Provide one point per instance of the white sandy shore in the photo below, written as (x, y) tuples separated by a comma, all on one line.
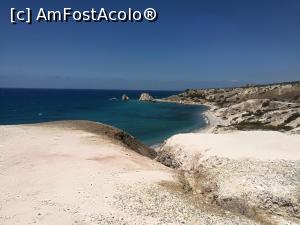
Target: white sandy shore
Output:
[(66, 175), (211, 120)]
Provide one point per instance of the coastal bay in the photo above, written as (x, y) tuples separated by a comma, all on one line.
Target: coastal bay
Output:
[(151, 123), (91, 173), (150, 113)]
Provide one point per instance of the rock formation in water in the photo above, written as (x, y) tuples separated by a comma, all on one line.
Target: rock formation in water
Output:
[(146, 97), (125, 97)]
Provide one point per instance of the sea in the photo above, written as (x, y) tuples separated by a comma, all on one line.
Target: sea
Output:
[(150, 122)]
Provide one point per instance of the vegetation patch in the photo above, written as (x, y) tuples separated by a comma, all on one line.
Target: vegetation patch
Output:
[(291, 118), (257, 125)]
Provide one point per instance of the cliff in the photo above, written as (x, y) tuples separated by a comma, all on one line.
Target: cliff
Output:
[(252, 173)]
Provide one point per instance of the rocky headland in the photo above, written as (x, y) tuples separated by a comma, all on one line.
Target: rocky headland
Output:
[(146, 97), (264, 107)]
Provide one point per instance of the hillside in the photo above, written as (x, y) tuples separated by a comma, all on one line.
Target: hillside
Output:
[(267, 107)]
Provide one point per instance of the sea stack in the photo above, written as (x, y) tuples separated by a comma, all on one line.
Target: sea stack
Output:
[(125, 97), (146, 97)]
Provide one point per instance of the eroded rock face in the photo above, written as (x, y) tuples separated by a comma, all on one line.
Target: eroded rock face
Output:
[(246, 185), (125, 97), (146, 97)]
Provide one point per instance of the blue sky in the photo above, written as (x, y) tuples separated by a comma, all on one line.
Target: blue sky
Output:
[(192, 44)]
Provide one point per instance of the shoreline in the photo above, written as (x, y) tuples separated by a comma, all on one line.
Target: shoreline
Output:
[(270, 107), (211, 121), (250, 174), (210, 118)]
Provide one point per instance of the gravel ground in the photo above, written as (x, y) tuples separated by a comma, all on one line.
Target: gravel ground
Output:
[(265, 188), (156, 204)]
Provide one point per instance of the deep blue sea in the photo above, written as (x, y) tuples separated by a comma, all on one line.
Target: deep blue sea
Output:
[(149, 122)]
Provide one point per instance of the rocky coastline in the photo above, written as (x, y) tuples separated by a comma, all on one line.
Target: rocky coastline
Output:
[(265, 107), (243, 168), (244, 161)]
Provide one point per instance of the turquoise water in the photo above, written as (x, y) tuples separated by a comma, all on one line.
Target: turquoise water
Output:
[(150, 122)]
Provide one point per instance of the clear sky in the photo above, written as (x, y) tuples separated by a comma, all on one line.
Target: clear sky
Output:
[(192, 44)]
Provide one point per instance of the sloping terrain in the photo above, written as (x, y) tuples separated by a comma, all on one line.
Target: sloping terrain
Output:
[(266, 107), (84, 173)]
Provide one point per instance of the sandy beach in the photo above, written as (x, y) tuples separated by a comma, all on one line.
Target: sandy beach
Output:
[(211, 120)]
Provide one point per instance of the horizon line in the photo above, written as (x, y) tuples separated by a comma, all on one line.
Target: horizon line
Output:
[(115, 89)]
